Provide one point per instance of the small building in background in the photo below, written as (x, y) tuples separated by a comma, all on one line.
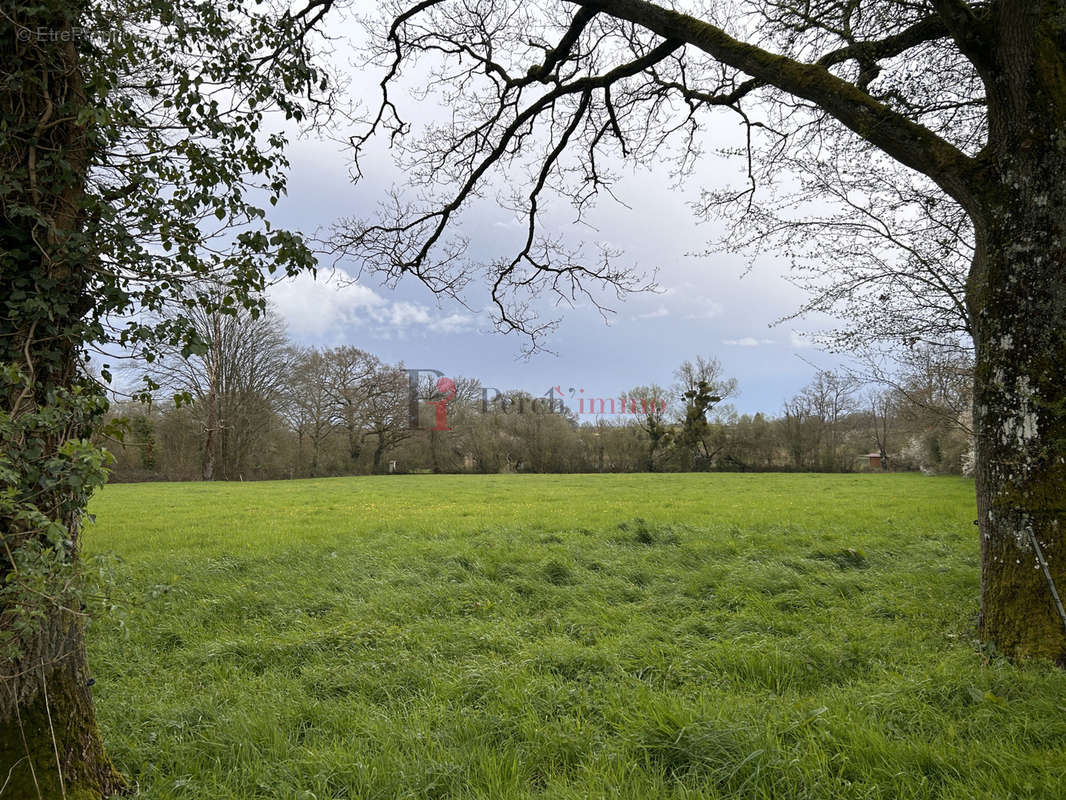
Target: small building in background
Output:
[(875, 461)]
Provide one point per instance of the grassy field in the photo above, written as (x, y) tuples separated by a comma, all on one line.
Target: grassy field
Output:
[(666, 636)]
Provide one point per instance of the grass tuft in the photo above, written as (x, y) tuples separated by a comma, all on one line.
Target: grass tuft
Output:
[(846, 558)]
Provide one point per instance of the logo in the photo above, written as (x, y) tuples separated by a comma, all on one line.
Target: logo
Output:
[(493, 400), (446, 386)]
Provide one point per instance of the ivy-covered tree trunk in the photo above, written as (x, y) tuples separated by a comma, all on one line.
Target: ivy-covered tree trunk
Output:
[(1017, 299), (50, 745), (112, 152)]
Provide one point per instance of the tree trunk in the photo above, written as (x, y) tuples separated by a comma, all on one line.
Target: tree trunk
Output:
[(210, 438), (1020, 420), (50, 745), (434, 451), (1017, 299), (379, 452), (355, 443), (211, 428)]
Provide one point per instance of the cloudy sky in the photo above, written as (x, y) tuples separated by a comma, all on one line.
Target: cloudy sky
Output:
[(709, 305)]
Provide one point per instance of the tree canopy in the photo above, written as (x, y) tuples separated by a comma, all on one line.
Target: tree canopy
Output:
[(555, 97)]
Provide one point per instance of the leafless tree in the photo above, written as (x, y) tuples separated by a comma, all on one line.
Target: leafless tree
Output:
[(235, 383), (755, 442), (831, 398), (801, 431), (884, 408), (650, 406), (813, 421), (552, 96), (309, 400), (351, 387), (387, 410), (709, 370), (462, 412), (875, 247)]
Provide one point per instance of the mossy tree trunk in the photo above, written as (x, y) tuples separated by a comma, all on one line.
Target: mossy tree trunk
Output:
[(50, 746), (1020, 418), (1017, 300), (93, 175)]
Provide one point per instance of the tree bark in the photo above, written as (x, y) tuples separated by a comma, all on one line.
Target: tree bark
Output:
[(210, 439), (212, 427), (50, 746), (1021, 440), (1020, 420), (1017, 299)]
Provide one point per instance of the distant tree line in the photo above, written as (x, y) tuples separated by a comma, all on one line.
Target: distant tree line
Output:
[(251, 405)]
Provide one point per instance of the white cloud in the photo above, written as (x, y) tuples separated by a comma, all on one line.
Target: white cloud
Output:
[(453, 323), (747, 341), (403, 314), (316, 309), (324, 311), (710, 310), (799, 340), (658, 313)]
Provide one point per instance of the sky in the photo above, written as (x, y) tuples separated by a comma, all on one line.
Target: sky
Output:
[(716, 305)]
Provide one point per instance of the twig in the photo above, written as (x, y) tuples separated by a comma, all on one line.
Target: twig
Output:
[(52, 731), (33, 772), (1047, 575)]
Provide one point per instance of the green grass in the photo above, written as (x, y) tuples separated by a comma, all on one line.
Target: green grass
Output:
[(646, 636)]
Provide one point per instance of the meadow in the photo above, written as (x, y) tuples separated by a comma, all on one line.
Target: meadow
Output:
[(592, 636)]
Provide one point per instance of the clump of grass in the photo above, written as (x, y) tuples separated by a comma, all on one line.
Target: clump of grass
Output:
[(645, 533), (688, 747), (845, 558), (557, 572)]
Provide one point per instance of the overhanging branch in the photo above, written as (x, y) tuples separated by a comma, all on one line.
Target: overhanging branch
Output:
[(905, 140)]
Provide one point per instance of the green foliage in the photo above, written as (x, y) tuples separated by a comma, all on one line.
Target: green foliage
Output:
[(135, 161), (44, 492), (408, 636), (692, 437), (178, 160)]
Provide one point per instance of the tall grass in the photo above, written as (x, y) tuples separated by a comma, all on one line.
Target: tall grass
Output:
[(674, 636)]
